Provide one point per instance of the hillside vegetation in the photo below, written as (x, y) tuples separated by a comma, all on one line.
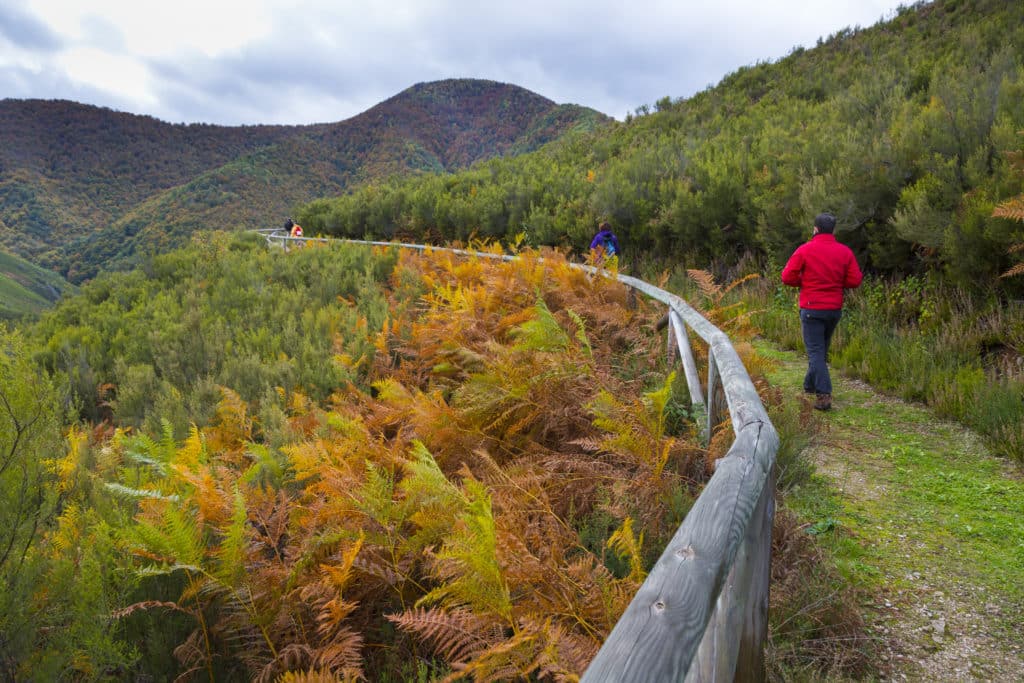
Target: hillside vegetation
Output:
[(84, 188), (236, 463), (901, 129), (336, 460)]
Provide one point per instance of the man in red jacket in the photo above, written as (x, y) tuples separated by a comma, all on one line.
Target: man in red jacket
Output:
[(822, 269)]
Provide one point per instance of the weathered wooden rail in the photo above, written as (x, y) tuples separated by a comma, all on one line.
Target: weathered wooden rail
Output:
[(702, 613)]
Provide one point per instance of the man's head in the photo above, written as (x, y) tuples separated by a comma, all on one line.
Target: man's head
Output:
[(825, 222), (605, 226)]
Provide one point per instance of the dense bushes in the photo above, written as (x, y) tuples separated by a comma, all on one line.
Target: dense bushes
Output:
[(227, 312)]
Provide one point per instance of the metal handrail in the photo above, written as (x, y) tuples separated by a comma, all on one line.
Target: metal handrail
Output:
[(702, 612)]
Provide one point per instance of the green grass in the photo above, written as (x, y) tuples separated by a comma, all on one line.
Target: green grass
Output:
[(16, 301), (900, 495)]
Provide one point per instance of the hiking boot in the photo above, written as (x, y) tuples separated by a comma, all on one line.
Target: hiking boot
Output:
[(823, 402)]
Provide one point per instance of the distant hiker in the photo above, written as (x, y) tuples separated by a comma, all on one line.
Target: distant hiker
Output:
[(822, 269), (605, 240), (293, 228)]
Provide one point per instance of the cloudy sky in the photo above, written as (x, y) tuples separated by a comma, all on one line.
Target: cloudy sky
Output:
[(303, 61)]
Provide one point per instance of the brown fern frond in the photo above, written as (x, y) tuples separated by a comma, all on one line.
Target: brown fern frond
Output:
[(1011, 208), (1014, 210), (562, 655), (721, 440), (192, 652), (331, 615), (512, 659), (388, 571), (706, 283), (214, 502), (539, 649), (312, 676), (291, 657), (739, 281), (600, 598), (589, 444), (270, 515), (456, 635), (148, 604), (1014, 271), (187, 675), (342, 652)]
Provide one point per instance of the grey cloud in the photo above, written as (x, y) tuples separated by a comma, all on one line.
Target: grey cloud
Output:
[(25, 31), (22, 83), (333, 62), (101, 31), (579, 57)]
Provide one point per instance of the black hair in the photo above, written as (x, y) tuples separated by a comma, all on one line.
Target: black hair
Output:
[(288, 224), (825, 222)]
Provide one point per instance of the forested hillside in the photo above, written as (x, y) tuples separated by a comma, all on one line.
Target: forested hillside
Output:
[(901, 129), (69, 169), (83, 188)]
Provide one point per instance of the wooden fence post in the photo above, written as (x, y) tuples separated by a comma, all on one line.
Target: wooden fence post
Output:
[(712, 404)]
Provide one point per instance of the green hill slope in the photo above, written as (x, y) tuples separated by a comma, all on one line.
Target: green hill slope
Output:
[(26, 289), (67, 169)]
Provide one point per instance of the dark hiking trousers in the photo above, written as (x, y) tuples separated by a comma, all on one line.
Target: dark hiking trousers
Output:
[(818, 327)]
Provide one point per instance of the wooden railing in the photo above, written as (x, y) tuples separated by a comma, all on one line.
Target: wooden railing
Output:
[(702, 613)]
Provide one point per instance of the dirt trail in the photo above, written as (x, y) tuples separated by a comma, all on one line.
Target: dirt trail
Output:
[(939, 523)]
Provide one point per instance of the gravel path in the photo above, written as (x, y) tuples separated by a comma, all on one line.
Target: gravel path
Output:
[(942, 523)]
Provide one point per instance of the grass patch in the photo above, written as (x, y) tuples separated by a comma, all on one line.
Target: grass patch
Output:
[(910, 495), (816, 627), (26, 289)]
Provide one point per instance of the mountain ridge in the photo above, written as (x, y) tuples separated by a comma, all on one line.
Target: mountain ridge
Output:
[(84, 188)]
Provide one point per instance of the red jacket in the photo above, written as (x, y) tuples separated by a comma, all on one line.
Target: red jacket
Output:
[(822, 269)]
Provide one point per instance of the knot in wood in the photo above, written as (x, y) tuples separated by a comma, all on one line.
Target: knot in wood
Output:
[(659, 605), (686, 553)]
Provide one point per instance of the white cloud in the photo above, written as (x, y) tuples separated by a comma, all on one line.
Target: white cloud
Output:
[(120, 75), (155, 29)]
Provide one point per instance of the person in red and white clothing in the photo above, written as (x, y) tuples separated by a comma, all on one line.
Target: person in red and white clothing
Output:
[(822, 269)]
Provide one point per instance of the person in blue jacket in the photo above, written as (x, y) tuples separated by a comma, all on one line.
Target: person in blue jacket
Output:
[(606, 240)]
